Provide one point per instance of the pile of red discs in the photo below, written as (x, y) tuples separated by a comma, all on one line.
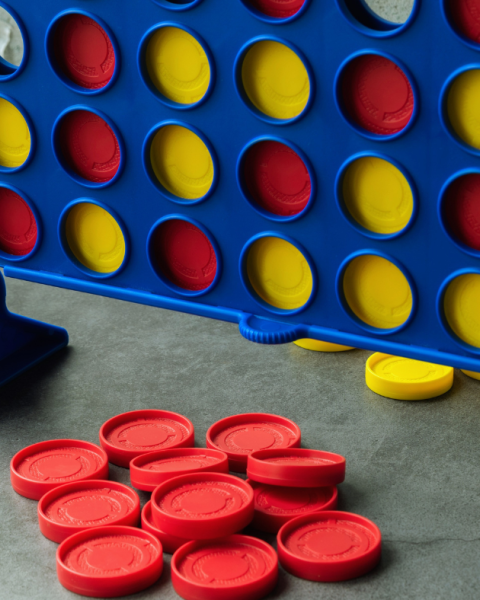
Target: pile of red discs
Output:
[(197, 508)]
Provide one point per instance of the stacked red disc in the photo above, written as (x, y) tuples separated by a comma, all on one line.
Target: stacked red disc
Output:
[(170, 543)]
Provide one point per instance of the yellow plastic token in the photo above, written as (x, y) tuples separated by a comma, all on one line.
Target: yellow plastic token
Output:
[(318, 346), (406, 379), (178, 65), (182, 162), (15, 140), (95, 238), (472, 374), (276, 80), (462, 308), (279, 273), (377, 195), (463, 106)]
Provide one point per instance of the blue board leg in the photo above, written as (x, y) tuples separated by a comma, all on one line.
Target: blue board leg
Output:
[(24, 342)]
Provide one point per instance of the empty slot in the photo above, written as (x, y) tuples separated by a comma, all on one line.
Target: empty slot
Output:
[(460, 306), (15, 137), (18, 226), (460, 211), (463, 108), (12, 44), (379, 17), (276, 9)]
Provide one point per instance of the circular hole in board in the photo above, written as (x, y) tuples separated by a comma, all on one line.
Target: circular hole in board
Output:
[(18, 225), (15, 137), (375, 96), (14, 43), (276, 11), (183, 255), (460, 308), (461, 108), (463, 16), (379, 18)]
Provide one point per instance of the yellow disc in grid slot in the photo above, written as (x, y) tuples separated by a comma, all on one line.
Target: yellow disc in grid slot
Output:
[(462, 308), (463, 107), (182, 162), (472, 374), (406, 379), (377, 195), (178, 65), (319, 346), (95, 238), (377, 292), (275, 80), (15, 140), (279, 273)]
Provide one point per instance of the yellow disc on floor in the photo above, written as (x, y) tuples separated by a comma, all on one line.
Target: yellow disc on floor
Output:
[(463, 106), (279, 273), (405, 378), (318, 346), (15, 141), (377, 292), (95, 238), (472, 374), (377, 195), (276, 80), (182, 162), (462, 308), (178, 65)]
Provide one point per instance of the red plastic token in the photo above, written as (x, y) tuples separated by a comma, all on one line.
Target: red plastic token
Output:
[(81, 505), (39, 468), (84, 51), (238, 567), (109, 561), (296, 467), (377, 94), (89, 146), (462, 210), (170, 543), (202, 506), (329, 546), (240, 435), (134, 433), (149, 470), (275, 505), (184, 255), (280, 9), (277, 178), (465, 15), (18, 227)]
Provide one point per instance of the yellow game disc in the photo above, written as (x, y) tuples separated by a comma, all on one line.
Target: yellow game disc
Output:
[(95, 238), (377, 292), (318, 346), (182, 162), (178, 65), (276, 80), (279, 273), (463, 106), (377, 195), (15, 141), (406, 379), (472, 374), (462, 308)]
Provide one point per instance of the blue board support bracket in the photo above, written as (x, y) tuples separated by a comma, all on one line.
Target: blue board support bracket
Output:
[(24, 342)]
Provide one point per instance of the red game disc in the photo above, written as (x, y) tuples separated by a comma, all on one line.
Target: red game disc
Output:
[(109, 562), (377, 94), (18, 227), (240, 435), (329, 546), (277, 178), (84, 51), (275, 505), (184, 255), (89, 146), (238, 567), (170, 543), (149, 470), (296, 467), (202, 506), (461, 210), (465, 15), (280, 9), (39, 468), (81, 505)]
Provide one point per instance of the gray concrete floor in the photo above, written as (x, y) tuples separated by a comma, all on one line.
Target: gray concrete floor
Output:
[(413, 468)]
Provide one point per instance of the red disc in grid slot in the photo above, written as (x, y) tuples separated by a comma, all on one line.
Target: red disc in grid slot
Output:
[(170, 543), (84, 51), (140, 431), (280, 9), (240, 435), (39, 468), (465, 15), (109, 562), (462, 210), (18, 227), (238, 567), (329, 546), (277, 178), (81, 505), (276, 505), (377, 94)]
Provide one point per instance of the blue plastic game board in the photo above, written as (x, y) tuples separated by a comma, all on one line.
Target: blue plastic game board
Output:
[(367, 246)]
